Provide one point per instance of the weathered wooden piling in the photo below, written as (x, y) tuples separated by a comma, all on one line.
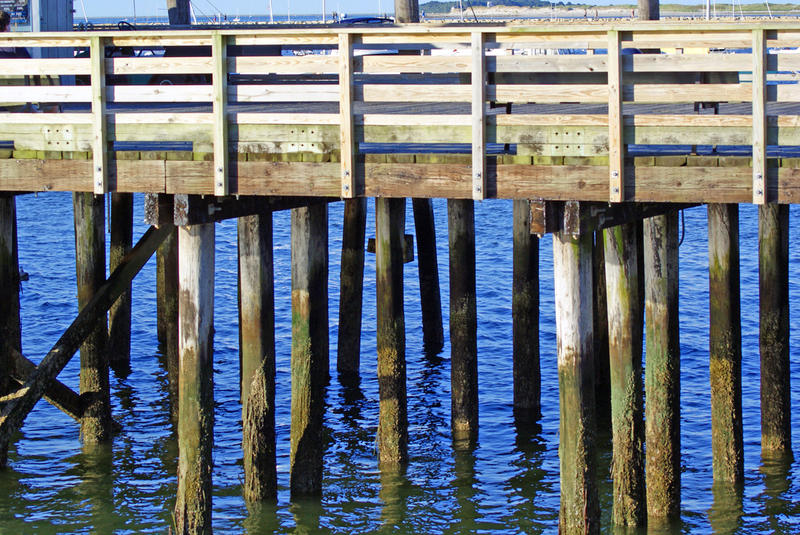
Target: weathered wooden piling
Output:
[(167, 312), (119, 317), (90, 267), (625, 365), (463, 319), (351, 287), (773, 279), (391, 336), (602, 372), (662, 373), (196, 392), (428, 265), (572, 268), (10, 331), (309, 346), (525, 315), (257, 355), (725, 343)]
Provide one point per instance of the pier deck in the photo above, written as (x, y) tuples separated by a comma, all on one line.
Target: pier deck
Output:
[(305, 112)]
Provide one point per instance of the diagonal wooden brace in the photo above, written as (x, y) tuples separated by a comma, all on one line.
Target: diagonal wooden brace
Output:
[(16, 410)]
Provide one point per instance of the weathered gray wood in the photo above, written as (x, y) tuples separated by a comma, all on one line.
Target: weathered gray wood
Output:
[(525, 312), (90, 267), (662, 373), (119, 317), (257, 355), (309, 347), (725, 343), (648, 10), (178, 12), (196, 378), (14, 413), (10, 330), (572, 268), (351, 287), (406, 10), (428, 265), (773, 283), (391, 336), (167, 311), (463, 320), (625, 360)]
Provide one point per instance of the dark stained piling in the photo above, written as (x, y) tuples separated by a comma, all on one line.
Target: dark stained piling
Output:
[(662, 373), (119, 317), (602, 375), (196, 392), (309, 346), (572, 268), (773, 279), (90, 268), (257, 354), (525, 315), (167, 311), (428, 264), (10, 331), (625, 364), (725, 343), (351, 287), (391, 336), (463, 319)]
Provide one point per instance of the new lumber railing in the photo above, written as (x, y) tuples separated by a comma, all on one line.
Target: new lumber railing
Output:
[(628, 112)]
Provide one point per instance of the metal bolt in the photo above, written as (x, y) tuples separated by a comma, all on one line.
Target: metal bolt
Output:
[(219, 169), (615, 190), (99, 169), (615, 174), (347, 187), (759, 192)]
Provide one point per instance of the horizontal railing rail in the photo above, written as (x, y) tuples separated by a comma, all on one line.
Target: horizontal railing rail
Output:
[(624, 112)]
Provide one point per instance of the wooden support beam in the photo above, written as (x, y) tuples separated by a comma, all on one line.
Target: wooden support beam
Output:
[(773, 283), (478, 116), (759, 117), (90, 267), (625, 358), (428, 267), (572, 266), (13, 414), (463, 320), (616, 144), (257, 356), (167, 309), (309, 347), (219, 54), (408, 247), (197, 210), (662, 372), (57, 394), (393, 411), (351, 284), (100, 173), (196, 375), (159, 209), (347, 142), (525, 316), (574, 217), (725, 343), (10, 331), (602, 368), (119, 317)]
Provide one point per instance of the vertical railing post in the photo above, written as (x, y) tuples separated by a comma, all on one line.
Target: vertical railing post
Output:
[(100, 132), (346, 129), (220, 88), (616, 147), (478, 116), (759, 117)]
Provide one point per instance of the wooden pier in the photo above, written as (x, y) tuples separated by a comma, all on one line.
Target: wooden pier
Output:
[(587, 127)]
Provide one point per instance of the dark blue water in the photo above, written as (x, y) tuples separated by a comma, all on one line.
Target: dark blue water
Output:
[(509, 483)]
